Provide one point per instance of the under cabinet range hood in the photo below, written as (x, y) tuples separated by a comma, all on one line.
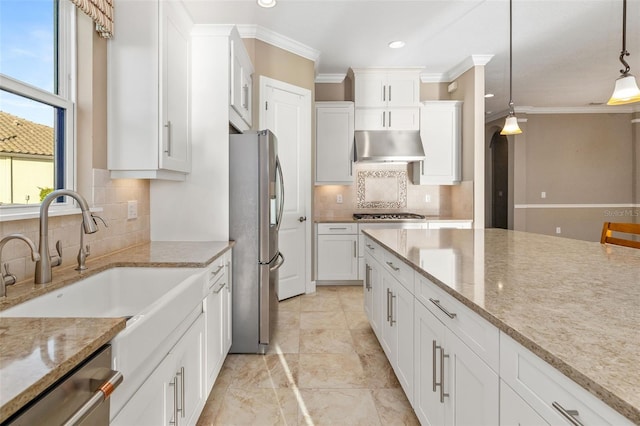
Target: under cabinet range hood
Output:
[(374, 146)]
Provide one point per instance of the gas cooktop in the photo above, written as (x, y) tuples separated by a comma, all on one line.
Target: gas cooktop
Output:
[(388, 216)]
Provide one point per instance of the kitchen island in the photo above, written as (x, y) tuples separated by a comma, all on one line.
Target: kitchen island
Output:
[(574, 304), (36, 352)]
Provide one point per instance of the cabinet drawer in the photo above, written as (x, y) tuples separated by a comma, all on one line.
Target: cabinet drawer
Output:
[(215, 272), (399, 270), (477, 333), (337, 228), (371, 247), (545, 388)]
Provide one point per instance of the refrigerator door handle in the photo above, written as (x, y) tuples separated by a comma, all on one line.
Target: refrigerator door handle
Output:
[(278, 263), (281, 209)]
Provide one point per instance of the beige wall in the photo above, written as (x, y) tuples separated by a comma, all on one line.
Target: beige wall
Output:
[(92, 180), (335, 91), (434, 92), (575, 159)]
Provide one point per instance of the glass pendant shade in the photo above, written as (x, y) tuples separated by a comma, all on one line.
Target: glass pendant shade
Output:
[(626, 91), (511, 126)]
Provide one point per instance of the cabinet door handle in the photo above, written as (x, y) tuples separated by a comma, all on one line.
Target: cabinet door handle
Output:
[(393, 311), (384, 93), (384, 114), (570, 415), (421, 167), (393, 267), (389, 111), (168, 150), (437, 303), (442, 357), (433, 359), (245, 90), (174, 383), (389, 101), (367, 277), (388, 303), (355, 249), (182, 392)]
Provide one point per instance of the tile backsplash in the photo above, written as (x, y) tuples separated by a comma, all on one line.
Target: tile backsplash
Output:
[(444, 200), (110, 195)]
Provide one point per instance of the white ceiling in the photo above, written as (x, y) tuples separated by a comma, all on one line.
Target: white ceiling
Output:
[(565, 52)]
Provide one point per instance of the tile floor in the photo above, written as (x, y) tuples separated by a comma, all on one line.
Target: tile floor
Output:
[(325, 366)]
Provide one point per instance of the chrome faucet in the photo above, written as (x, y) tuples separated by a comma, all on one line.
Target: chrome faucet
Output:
[(44, 265), (6, 277)]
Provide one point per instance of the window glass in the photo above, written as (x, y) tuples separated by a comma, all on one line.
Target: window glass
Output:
[(28, 42), (36, 112)]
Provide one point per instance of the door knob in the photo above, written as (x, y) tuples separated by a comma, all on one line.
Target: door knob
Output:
[(302, 218)]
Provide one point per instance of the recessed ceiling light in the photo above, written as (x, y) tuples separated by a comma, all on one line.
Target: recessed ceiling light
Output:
[(489, 95), (396, 44), (266, 3)]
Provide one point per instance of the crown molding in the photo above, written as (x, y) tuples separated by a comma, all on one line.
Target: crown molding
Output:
[(594, 109), (457, 71), (278, 40), (330, 78)]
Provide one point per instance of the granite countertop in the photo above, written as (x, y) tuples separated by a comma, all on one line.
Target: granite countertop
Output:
[(575, 304), (349, 219), (36, 352)]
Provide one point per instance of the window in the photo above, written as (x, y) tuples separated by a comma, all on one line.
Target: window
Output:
[(37, 90)]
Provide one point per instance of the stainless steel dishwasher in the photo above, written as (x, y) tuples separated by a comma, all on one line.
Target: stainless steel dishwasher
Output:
[(79, 398)]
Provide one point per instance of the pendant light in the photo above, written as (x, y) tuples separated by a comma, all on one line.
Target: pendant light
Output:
[(626, 89), (511, 123)]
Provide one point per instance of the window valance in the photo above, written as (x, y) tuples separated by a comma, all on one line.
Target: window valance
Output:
[(101, 11)]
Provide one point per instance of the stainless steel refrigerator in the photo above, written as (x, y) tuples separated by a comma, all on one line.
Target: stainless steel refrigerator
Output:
[(256, 200)]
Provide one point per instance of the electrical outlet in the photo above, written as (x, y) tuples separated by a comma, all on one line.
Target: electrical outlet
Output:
[(558, 230), (543, 194), (339, 198), (427, 198), (132, 209)]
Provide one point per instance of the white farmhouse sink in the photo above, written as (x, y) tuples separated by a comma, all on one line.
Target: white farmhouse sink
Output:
[(156, 302)]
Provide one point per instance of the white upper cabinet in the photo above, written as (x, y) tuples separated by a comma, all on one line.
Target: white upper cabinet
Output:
[(440, 131), (149, 91), (334, 143), (386, 88), (241, 84), (387, 99)]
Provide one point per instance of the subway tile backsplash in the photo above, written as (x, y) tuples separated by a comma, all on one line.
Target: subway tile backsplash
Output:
[(111, 195)]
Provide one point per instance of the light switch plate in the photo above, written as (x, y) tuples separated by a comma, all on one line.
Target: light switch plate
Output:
[(132, 209)]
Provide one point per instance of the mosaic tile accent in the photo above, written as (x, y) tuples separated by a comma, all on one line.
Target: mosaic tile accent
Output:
[(382, 189)]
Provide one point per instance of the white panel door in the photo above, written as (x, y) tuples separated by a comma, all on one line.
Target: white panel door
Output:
[(286, 111)]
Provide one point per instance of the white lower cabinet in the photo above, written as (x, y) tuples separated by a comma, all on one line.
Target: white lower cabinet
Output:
[(453, 386), (514, 411), (174, 393), (217, 308), (337, 252), (556, 398)]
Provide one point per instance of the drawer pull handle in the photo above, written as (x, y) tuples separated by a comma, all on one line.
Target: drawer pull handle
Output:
[(220, 288), (393, 267), (338, 229), (442, 308), (370, 247), (214, 273), (570, 415)]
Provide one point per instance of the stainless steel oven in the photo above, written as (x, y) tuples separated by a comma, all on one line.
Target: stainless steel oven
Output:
[(79, 398)]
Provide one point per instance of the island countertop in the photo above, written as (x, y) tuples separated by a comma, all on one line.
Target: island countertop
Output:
[(575, 304), (36, 352)]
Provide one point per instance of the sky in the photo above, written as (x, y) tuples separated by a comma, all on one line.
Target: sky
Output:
[(26, 53)]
